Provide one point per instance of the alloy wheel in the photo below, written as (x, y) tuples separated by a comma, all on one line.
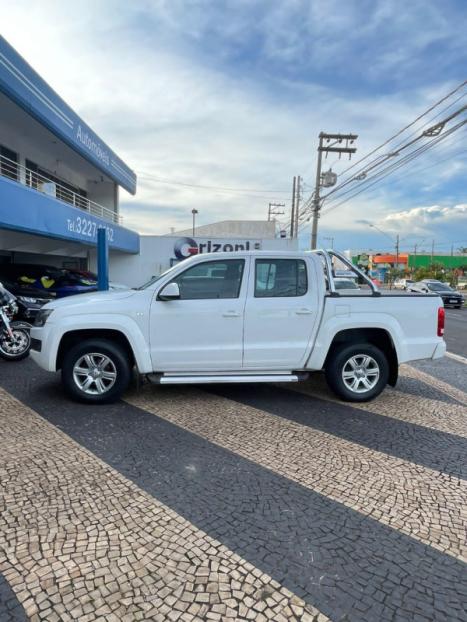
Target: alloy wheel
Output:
[(94, 373), (360, 373)]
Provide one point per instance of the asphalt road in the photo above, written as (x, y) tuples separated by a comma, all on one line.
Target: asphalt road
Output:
[(456, 331)]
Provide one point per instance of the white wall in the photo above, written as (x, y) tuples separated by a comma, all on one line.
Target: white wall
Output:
[(157, 251)]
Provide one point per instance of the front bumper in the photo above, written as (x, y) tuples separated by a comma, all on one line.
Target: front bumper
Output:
[(44, 346), (453, 301)]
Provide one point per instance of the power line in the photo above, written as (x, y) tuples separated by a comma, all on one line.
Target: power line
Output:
[(362, 173), (438, 114), (383, 157), (425, 168), (378, 176), (386, 142), (172, 182), (410, 172)]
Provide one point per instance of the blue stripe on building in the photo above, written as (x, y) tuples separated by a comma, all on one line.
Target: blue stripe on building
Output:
[(24, 86), (25, 209)]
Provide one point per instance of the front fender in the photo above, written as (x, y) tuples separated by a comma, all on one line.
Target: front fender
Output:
[(126, 325)]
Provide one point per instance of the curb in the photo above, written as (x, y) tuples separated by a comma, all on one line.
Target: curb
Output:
[(457, 357)]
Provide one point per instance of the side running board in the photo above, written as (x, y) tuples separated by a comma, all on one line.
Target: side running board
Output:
[(226, 379)]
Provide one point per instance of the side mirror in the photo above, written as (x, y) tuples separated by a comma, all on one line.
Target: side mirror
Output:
[(170, 292)]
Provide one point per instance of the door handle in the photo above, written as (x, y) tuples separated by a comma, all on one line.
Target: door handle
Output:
[(231, 314), (304, 311)]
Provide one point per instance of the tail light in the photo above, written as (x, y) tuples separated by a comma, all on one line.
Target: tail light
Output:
[(441, 316)]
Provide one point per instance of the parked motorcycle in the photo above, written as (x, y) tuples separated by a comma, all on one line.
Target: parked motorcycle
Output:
[(15, 339)]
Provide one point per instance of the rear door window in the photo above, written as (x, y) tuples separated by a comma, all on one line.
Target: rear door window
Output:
[(279, 278)]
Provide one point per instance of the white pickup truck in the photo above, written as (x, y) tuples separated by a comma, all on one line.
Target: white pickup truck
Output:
[(239, 317)]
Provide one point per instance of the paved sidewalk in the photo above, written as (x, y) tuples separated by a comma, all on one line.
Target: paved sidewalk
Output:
[(233, 503), (80, 542)]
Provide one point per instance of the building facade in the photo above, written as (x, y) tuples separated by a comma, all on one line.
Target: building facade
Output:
[(59, 181), (160, 252), (379, 265)]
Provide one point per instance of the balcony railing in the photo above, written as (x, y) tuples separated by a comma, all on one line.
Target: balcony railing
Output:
[(32, 179)]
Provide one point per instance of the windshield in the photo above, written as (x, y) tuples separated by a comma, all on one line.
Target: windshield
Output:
[(439, 287), (154, 279)]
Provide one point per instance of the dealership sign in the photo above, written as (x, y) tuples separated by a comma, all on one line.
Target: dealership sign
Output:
[(186, 247)]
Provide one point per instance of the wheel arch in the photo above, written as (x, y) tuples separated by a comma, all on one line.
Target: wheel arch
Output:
[(378, 337), (72, 337)]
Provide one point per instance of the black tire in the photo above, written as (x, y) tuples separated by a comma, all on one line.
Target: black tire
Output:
[(120, 365), (339, 359), (11, 355)]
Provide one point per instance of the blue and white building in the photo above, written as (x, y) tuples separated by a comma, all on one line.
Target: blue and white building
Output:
[(59, 182)]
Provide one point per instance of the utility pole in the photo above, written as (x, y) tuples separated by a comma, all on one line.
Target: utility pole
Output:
[(397, 251), (292, 212), (331, 240), (432, 251), (297, 204), (347, 139), (273, 210)]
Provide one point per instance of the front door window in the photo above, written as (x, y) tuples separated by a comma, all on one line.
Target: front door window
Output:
[(211, 280)]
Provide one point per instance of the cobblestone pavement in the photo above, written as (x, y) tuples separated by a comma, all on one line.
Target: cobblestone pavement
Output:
[(239, 502), (80, 542)]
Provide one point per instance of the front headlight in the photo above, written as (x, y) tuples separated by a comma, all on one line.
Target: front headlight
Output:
[(42, 316)]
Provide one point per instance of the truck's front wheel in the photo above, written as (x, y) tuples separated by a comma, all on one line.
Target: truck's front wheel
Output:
[(357, 372), (96, 371)]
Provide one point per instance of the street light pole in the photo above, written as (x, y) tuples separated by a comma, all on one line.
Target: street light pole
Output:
[(194, 212)]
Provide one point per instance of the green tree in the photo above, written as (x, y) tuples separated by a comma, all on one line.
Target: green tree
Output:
[(435, 271)]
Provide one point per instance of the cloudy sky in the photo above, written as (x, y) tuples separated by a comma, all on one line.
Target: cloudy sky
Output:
[(217, 104)]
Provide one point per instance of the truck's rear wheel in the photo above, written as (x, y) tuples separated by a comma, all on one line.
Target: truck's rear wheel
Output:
[(96, 371), (357, 372)]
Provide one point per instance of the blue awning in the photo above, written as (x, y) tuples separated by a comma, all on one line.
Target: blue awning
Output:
[(26, 209)]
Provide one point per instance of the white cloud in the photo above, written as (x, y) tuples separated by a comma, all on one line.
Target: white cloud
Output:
[(429, 220), (173, 112)]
